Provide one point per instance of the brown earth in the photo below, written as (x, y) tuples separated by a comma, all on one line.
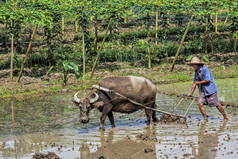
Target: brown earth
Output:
[(158, 74), (49, 155)]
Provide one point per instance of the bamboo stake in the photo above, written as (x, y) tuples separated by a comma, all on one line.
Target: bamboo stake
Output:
[(206, 36), (235, 43), (156, 27), (181, 43), (6, 38), (148, 40), (76, 26), (149, 57), (211, 43), (226, 19), (94, 65), (27, 52), (96, 34), (12, 54), (83, 52), (62, 27), (216, 24)]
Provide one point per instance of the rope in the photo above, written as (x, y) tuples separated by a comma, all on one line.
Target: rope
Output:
[(134, 102)]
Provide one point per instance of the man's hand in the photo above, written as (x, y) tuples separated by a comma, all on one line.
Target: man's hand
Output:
[(190, 95), (202, 82), (198, 83), (194, 85)]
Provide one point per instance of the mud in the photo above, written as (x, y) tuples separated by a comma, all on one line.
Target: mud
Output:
[(146, 137), (49, 155), (172, 118)]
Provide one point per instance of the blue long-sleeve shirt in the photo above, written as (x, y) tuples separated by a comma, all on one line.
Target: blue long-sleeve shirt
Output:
[(205, 74)]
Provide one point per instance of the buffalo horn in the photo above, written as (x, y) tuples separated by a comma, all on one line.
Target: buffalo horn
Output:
[(95, 98), (76, 98)]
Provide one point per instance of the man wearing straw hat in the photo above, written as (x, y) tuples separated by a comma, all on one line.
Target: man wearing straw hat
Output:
[(207, 88)]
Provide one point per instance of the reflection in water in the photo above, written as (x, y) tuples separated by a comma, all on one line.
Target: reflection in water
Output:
[(207, 142), (124, 148), (21, 145), (32, 126), (36, 115)]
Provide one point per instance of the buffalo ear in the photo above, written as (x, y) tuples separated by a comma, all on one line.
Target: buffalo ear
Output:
[(74, 103), (98, 104)]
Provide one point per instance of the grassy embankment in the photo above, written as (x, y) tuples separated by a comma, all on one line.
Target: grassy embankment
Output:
[(159, 74)]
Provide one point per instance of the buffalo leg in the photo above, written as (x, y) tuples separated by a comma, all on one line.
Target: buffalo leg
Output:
[(148, 113), (102, 119), (111, 118), (155, 119), (106, 110)]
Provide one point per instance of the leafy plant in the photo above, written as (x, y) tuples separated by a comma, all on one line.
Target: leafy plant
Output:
[(67, 66), (205, 58), (189, 58)]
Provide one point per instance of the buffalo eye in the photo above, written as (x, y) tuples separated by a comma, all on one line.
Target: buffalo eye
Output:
[(80, 105)]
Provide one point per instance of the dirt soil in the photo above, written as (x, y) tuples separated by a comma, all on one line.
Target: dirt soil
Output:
[(158, 74), (49, 155), (172, 118)]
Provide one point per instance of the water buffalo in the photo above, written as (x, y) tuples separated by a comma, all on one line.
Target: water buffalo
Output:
[(135, 88)]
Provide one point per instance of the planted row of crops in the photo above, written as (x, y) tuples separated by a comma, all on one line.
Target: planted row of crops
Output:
[(71, 33)]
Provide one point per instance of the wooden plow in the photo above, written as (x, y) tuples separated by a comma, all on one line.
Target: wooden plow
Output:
[(169, 114)]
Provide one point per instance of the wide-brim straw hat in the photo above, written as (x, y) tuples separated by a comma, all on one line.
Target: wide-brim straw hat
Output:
[(195, 61)]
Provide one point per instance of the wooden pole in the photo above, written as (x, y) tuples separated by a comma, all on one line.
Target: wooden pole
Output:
[(148, 41), (156, 27), (62, 27), (181, 43), (226, 19), (12, 54), (83, 52), (27, 52), (149, 56), (96, 34), (216, 24), (235, 43), (94, 65), (6, 38), (206, 35), (76, 26)]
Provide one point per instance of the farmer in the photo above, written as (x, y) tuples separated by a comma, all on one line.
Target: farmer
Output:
[(207, 88)]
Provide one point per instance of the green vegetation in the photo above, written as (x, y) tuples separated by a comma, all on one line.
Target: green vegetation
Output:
[(140, 32)]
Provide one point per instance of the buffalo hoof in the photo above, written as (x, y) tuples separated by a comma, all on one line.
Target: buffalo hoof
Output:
[(101, 129), (113, 126), (156, 120), (147, 123)]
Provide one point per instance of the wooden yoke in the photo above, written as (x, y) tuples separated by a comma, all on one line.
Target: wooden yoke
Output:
[(134, 102)]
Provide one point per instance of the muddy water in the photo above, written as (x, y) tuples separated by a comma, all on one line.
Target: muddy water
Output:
[(50, 124)]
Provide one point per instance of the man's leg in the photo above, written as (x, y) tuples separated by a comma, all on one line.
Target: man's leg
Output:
[(202, 110), (201, 101), (219, 107)]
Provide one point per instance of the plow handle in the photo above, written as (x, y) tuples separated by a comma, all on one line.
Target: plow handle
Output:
[(185, 95)]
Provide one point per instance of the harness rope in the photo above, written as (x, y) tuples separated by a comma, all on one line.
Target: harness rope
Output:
[(134, 102)]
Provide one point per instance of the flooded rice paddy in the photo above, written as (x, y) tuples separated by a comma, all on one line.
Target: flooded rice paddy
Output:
[(51, 124)]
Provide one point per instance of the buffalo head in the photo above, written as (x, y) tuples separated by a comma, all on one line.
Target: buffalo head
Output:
[(85, 105)]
